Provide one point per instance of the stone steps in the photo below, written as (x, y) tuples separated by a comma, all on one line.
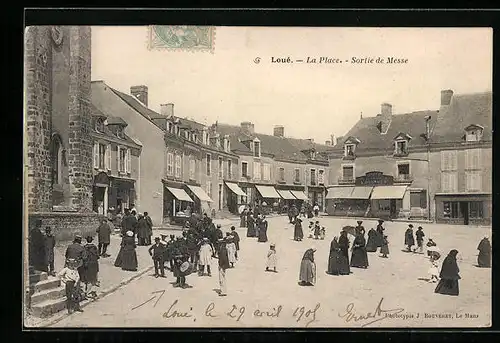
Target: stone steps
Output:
[(37, 277), (44, 285), (48, 307), (48, 294)]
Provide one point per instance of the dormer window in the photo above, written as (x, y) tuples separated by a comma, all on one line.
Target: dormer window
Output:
[(401, 144), (99, 125), (349, 150), (120, 133), (256, 148), (473, 133)]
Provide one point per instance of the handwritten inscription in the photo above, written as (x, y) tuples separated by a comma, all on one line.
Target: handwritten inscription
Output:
[(368, 318)]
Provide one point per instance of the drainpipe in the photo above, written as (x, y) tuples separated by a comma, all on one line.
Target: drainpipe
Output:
[(427, 138)]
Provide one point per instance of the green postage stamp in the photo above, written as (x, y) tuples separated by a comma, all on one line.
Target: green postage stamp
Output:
[(181, 37)]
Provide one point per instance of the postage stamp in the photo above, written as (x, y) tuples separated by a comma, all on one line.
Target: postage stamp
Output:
[(181, 37)]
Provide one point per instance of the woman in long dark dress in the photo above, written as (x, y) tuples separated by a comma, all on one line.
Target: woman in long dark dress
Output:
[(337, 263), (298, 234), (484, 256), (263, 230), (250, 226), (307, 276), (243, 217), (90, 267), (129, 256), (371, 245), (359, 258), (143, 231), (380, 233), (344, 251), (448, 284)]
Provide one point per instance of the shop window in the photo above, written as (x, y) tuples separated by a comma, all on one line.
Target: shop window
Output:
[(384, 205), (451, 209), (476, 209)]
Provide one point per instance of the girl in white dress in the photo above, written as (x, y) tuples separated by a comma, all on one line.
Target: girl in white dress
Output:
[(272, 259)]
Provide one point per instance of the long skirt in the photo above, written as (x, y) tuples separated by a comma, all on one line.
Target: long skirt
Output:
[(359, 258), (129, 260), (251, 229), (338, 264), (484, 260), (384, 249), (447, 287), (371, 245), (118, 260), (90, 272), (231, 252)]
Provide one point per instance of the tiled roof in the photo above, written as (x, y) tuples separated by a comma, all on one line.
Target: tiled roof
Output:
[(116, 121), (413, 124), (464, 110)]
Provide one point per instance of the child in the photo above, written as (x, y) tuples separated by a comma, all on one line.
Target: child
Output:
[(433, 270), (70, 278), (206, 253), (50, 243), (231, 249), (322, 233), (384, 249), (317, 230), (91, 268), (272, 259), (311, 229)]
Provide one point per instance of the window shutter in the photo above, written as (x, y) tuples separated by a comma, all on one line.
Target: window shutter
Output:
[(108, 157), (444, 182), (129, 162), (453, 182), (476, 162), (118, 153), (96, 155), (453, 160)]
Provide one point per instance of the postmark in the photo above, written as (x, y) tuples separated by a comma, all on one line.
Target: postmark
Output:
[(181, 38)]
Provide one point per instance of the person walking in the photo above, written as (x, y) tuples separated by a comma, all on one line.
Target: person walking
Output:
[(71, 279), (307, 275), (298, 234), (231, 249), (103, 238), (409, 240), (484, 256), (384, 249), (420, 240), (359, 258), (272, 259), (149, 221), (263, 225), (50, 243), (128, 253), (448, 285), (157, 252), (236, 237), (90, 268), (142, 231), (223, 265)]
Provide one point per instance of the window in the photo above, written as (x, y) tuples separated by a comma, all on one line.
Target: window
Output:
[(449, 160), (451, 209), (229, 169), (472, 181), (401, 147), (449, 179), (348, 173), (99, 125), (192, 169), (418, 199), (313, 177), (170, 164), (404, 171), (296, 178), (256, 170), (221, 168), (256, 149), (281, 174), (473, 159), (244, 169), (476, 209), (349, 150), (384, 205), (209, 164), (209, 189), (102, 156), (449, 182), (267, 171), (178, 166), (321, 177)]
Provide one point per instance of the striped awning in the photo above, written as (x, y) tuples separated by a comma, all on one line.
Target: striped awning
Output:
[(299, 195), (388, 192), (339, 192), (200, 193), (180, 194), (361, 192), (268, 192), (235, 189), (287, 195)]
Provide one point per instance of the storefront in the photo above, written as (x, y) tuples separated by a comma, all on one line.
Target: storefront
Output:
[(267, 200), (177, 204), (349, 201), (235, 197), (316, 196), (463, 209), (200, 198), (387, 201), (287, 200)]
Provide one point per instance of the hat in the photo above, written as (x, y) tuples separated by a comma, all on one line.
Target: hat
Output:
[(273, 245), (380, 220), (157, 239), (420, 228), (130, 233), (359, 222), (233, 228), (410, 225), (218, 226), (205, 239), (78, 237)]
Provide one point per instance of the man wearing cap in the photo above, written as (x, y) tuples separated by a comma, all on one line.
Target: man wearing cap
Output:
[(157, 252), (409, 239), (420, 240), (359, 228), (380, 233), (223, 265), (76, 251), (103, 238)]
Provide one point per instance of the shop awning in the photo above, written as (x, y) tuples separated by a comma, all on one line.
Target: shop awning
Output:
[(299, 195), (268, 192), (286, 195), (200, 193), (180, 194), (361, 192), (339, 192), (388, 192), (235, 189)]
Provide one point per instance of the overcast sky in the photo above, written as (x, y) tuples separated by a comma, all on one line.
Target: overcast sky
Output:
[(310, 100)]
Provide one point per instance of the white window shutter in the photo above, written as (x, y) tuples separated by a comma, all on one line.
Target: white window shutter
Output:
[(118, 153), (476, 164), (129, 162), (108, 157), (454, 162), (96, 155)]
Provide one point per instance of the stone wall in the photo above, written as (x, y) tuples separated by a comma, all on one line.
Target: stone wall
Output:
[(38, 59), (65, 225)]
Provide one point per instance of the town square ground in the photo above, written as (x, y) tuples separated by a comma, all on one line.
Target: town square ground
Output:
[(392, 292)]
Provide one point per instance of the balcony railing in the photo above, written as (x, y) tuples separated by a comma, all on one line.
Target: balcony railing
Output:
[(403, 178), (345, 180), (313, 183)]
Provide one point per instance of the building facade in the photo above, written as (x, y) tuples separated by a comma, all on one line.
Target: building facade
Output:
[(396, 166)]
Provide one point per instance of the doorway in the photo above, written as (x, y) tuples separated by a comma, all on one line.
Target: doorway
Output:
[(464, 208), (98, 200)]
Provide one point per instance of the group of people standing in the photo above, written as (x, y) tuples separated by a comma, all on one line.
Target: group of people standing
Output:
[(255, 223)]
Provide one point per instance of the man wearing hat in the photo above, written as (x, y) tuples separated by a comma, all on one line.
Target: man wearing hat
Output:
[(380, 233), (420, 240), (359, 228), (223, 265), (157, 252), (409, 239), (76, 252), (50, 243), (103, 238)]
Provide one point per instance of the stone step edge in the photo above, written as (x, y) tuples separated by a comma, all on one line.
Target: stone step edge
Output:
[(101, 295), (47, 291)]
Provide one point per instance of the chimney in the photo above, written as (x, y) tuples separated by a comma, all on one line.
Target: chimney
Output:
[(167, 110), (279, 131), (332, 139), (140, 93), (328, 142), (247, 127), (427, 127), (386, 117), (339, 139), (446, 96), (310, 140)]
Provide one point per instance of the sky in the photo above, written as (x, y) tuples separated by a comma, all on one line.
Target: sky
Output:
[(310, 100)]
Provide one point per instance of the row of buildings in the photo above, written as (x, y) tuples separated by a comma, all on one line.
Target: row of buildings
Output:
[(92, 149)]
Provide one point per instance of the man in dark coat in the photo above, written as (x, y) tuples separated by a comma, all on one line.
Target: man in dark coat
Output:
[(223, 265), (149, 221), (36, 252), (76, 252), (50, 243), (380, 233), (484, 256), (142, 231), (420, 240), (157, 252), (103, 238), (129, 223), (409, 240), (236, 239)]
